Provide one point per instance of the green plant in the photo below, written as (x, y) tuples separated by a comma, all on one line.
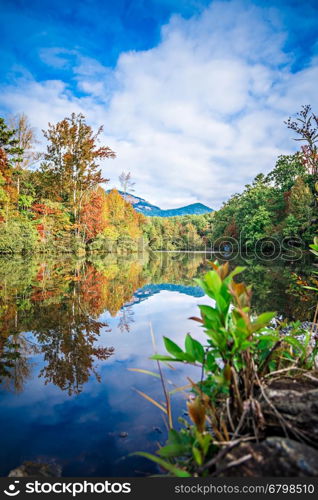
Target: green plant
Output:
[(314, 246), (239, 352)]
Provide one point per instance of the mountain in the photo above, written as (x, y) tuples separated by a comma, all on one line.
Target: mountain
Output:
[(148, 209)]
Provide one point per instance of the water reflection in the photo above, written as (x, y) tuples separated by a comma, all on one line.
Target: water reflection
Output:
[(61, 301), (66, 324)]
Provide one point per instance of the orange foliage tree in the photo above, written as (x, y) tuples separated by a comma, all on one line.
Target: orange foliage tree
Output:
[(8, 192), (93, 215)]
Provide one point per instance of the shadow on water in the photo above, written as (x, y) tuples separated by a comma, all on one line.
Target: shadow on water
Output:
[(68, 324)]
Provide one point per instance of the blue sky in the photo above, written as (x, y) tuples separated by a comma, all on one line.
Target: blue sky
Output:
[(192, 94)]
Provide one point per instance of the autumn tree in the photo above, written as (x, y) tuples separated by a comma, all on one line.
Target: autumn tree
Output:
[(93, 216), (72, 161), (10, 154), (122, 219)]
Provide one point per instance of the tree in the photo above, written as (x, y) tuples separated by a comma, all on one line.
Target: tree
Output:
[(93, 217), (71, 160), (126, 182), (123, 218), (9, 143), (5, 179), (10, 154), (25, 136), (306, 126), (286, 171), (301, 201)]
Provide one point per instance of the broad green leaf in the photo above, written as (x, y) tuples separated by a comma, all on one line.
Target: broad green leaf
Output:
[(209, 313), (174, 437), (181, 356), (217, 338), (194, 348), (160, 357), (263, 320), (223, 304), (205, 288), (245, 345), (213, 281), (171, 450), (171, 347), (211, 362), (237, 270), (185, 356), (197, 455), (295, 343)]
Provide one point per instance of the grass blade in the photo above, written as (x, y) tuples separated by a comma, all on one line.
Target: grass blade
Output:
[(147, 372), (151, 400), (166, 465)]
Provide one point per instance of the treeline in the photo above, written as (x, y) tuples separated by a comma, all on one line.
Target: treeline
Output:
[(187, 232), (281, 205), (53, 201)]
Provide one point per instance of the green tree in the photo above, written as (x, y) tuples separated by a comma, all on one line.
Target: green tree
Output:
[(9, 143), (286, 171)]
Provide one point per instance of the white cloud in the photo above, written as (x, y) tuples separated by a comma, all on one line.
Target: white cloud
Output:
[(195, 118), (56, 57)]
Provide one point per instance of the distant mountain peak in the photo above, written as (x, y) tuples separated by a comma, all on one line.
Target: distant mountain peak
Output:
[(146, 208)]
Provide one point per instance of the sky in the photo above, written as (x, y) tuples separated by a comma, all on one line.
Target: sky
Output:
[(192, 94)]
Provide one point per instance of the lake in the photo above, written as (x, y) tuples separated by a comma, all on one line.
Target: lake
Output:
[(72, 331)]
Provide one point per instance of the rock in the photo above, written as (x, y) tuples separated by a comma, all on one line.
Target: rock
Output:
[(123, 434), (36, 469), (297, 403), (273, 457)]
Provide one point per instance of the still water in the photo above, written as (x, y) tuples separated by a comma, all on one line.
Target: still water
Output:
[(72, 330)]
